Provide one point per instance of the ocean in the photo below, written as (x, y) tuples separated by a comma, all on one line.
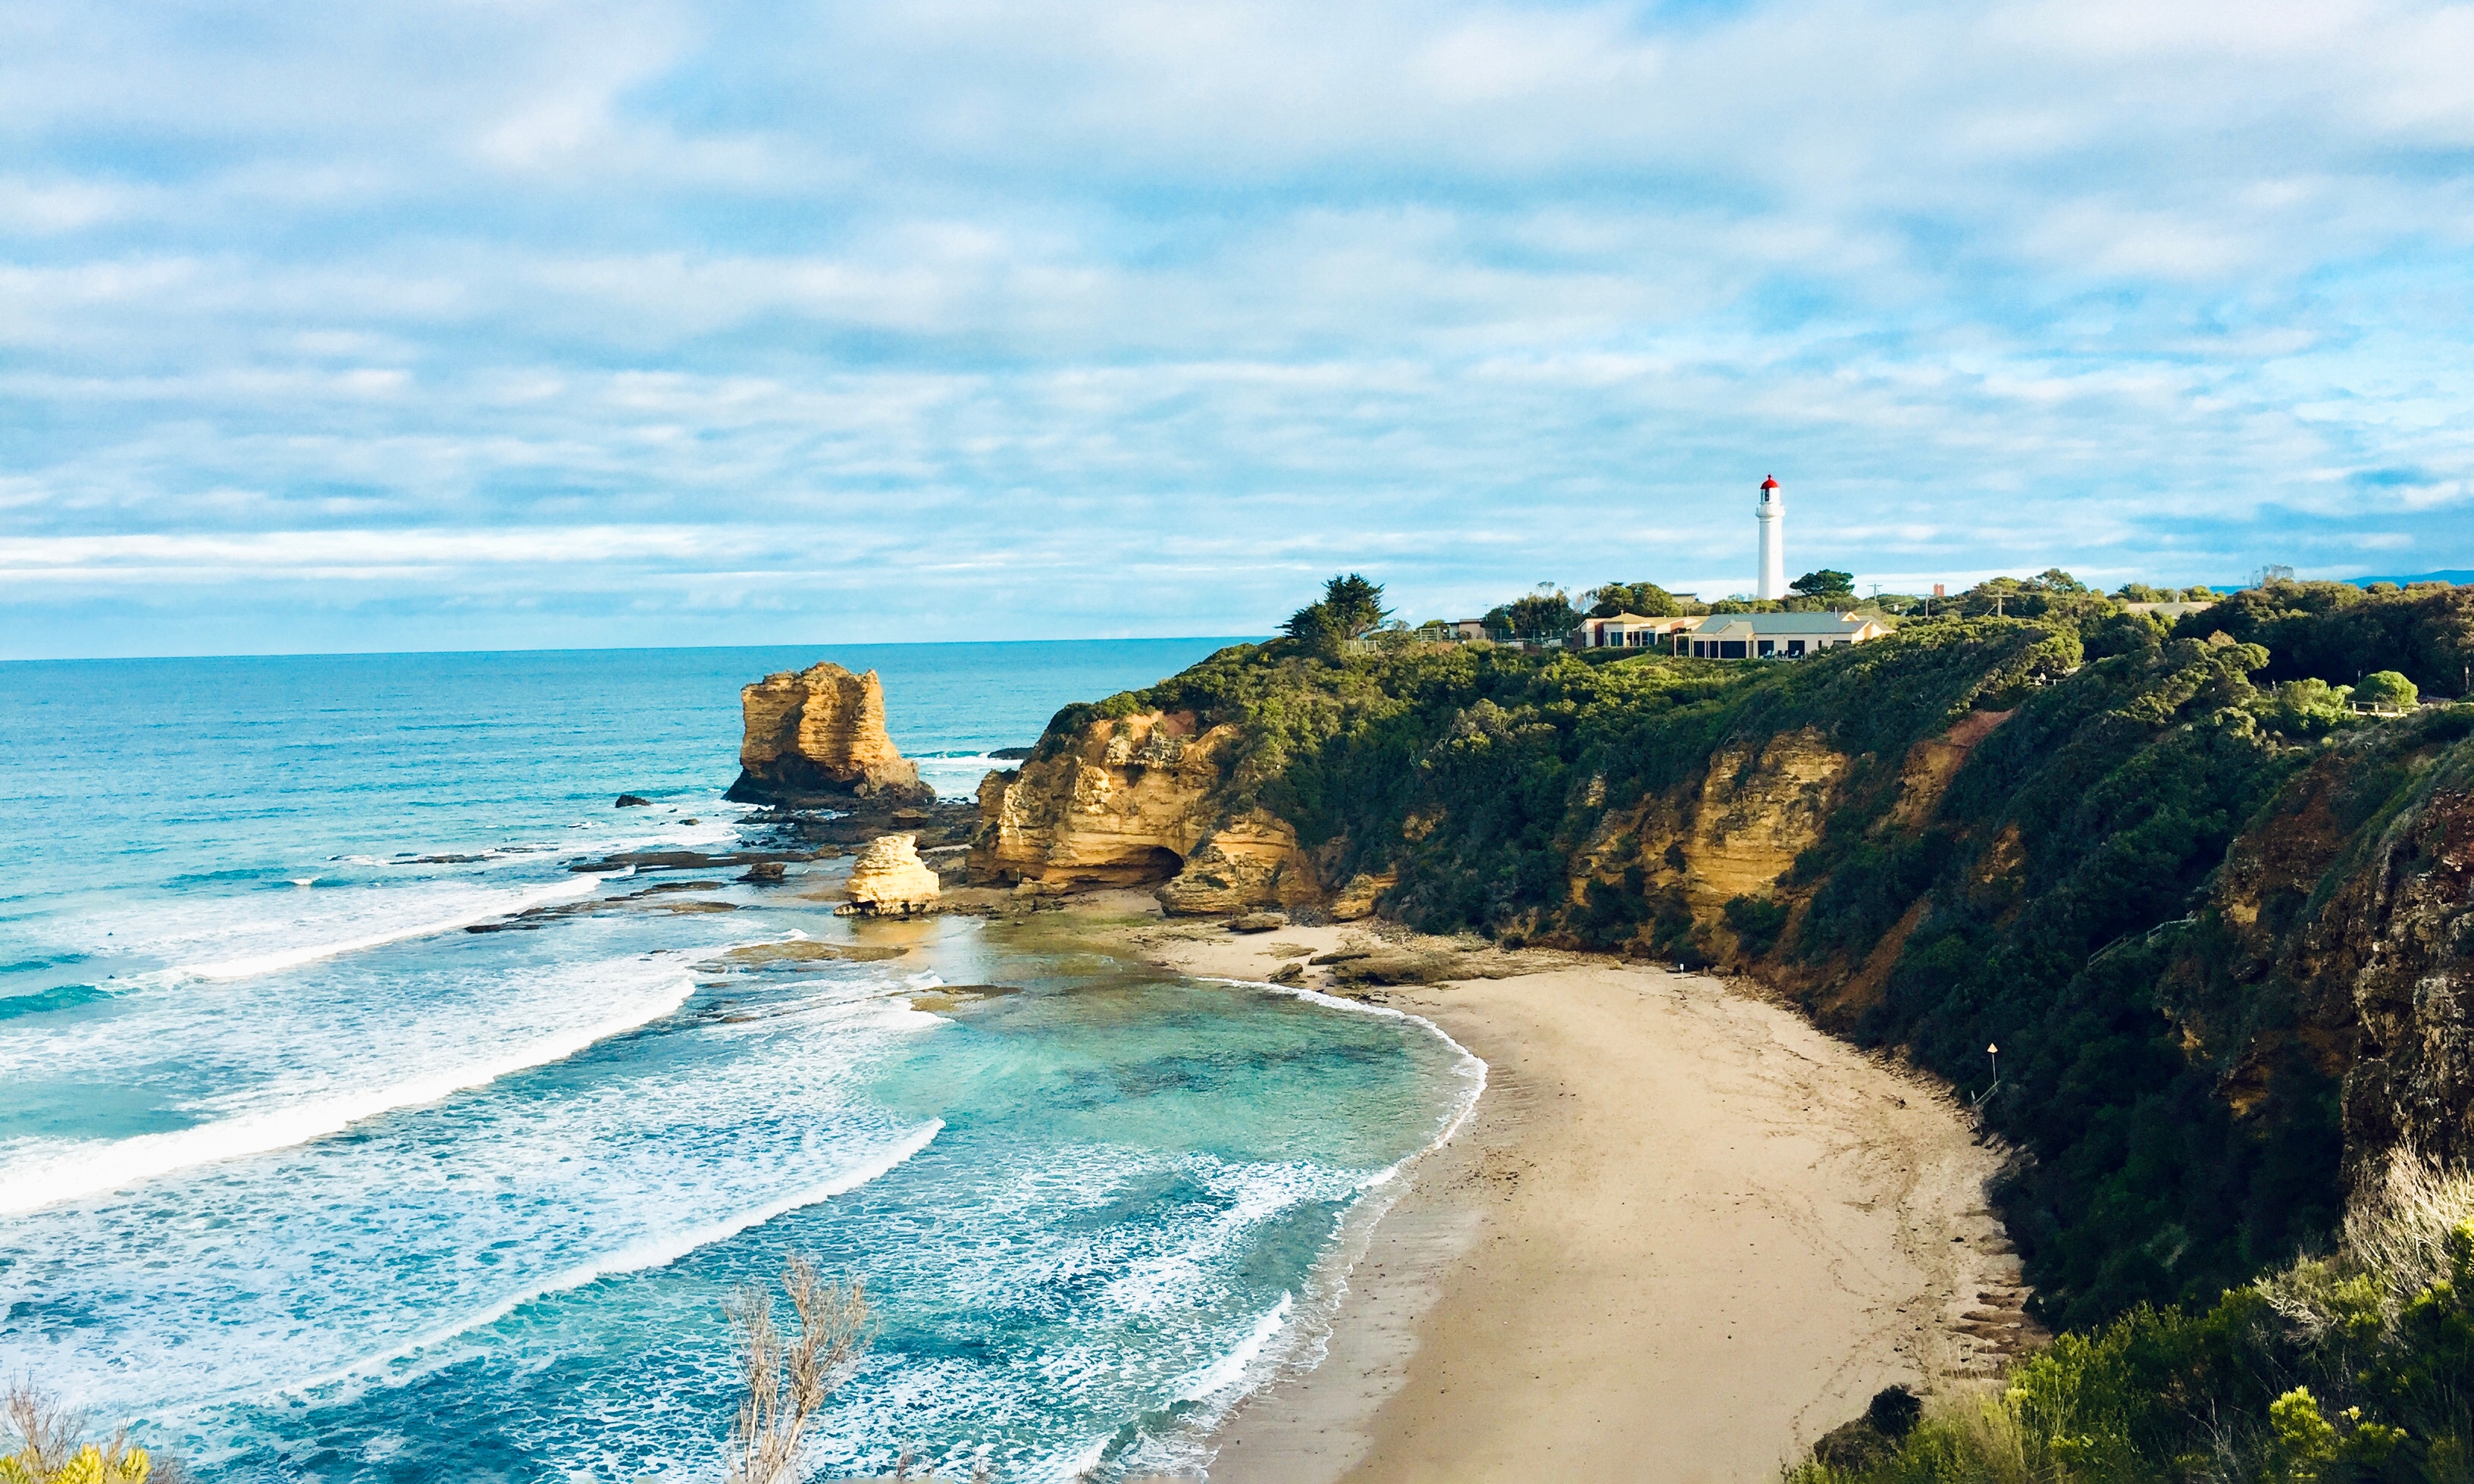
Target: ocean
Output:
[(308, 1182)]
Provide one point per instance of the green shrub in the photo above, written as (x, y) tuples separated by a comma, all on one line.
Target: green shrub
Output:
[(1757, 922), (2355, 1367), (2309, 707), (2388, 690)]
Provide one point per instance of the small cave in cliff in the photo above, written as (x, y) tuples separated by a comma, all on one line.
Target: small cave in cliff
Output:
[(1147, 867)]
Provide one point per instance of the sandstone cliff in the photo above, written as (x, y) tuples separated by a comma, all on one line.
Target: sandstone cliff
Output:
[(817, 736), (1140, 802)]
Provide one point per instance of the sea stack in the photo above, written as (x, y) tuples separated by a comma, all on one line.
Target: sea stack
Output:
[(817, 736), (890, 879)]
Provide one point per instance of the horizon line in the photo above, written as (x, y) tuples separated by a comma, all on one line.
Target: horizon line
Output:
[(856, 643)]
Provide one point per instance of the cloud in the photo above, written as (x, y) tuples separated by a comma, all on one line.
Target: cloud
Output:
[(761, 322)]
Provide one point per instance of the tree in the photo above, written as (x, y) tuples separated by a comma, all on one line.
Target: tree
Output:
[(2388, 691), (1357, 603), (1825, 583), (1542, 615), (1349, 606), (1645, 598)]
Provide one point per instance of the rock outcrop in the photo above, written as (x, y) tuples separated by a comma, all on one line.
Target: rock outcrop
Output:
[(890, 879), (1137, 801), (817, 736)]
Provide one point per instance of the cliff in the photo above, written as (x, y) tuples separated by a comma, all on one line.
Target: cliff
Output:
[(818, 736), (1140, 800), (2223, 952)]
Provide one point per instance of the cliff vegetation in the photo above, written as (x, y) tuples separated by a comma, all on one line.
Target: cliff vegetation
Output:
[(2210, 913), (2350, 1367)]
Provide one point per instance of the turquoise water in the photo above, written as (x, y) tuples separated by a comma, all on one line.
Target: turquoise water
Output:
[(318, 1186)]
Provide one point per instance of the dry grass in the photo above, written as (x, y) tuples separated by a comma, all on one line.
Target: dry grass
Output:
[(47, 1445), (789, 1375), (2397, 1244)]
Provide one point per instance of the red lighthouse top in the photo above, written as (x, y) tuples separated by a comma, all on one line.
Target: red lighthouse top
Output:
[(1769, 484)]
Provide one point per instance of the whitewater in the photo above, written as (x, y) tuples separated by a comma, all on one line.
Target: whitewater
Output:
[(319, 1163)]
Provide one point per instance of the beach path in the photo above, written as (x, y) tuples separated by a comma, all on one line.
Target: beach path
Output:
[(1684, 1234)]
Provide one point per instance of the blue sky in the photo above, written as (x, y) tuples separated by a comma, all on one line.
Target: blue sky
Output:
[(527, 323)]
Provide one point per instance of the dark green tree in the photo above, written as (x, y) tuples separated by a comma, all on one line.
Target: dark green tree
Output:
[(1351, 605), (1825, 583), (1546, 614), (1645, 598)]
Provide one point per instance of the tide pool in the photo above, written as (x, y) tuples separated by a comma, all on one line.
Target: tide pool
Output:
[(311, 1184)]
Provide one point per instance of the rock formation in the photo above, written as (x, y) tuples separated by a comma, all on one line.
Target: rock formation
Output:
[(1135, 801), (817, 736), (890, 879)]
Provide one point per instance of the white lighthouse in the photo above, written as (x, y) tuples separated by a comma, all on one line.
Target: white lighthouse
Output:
[(1771, 511)]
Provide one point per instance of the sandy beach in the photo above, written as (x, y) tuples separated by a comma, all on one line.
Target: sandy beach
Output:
[(1683, 1234)]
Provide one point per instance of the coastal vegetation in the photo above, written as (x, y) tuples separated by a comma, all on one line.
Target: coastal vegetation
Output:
[(788, 1375), (2171, 872), (47, 1444), (2355, 1365)]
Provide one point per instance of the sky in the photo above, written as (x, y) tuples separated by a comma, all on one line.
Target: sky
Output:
[(502, 323)]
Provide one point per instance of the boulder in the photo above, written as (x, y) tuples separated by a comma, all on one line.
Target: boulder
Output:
[(1258, 922), (890, 879), (634, 801)]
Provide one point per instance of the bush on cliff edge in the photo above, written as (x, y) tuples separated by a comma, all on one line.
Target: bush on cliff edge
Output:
[(2355, 1367)]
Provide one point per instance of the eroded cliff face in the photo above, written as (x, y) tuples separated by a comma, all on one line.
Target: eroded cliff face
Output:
[(2340, 936), (1758, 808), (1136, 801), (2413, 1083), (817, 735), (2223, 954)]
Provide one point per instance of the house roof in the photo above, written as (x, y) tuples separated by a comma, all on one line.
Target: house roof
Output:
[(1629, 618), (1789, 623)]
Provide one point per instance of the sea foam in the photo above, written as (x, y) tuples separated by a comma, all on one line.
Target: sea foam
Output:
[(496, 905), (83, 1169), (657, 1251)]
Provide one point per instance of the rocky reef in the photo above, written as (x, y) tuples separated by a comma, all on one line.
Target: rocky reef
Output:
[(890, 879), (816, 735)]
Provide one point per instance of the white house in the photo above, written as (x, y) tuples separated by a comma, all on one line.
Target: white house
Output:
[(1762, 635), (1626, 631)]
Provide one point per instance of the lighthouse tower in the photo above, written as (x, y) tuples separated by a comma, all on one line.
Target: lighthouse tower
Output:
[(1771, 511)]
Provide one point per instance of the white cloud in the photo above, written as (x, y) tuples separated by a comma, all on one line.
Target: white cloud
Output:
[(1155, 309)]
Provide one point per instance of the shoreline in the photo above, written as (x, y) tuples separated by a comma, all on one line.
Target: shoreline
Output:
[(1661, 1171)]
